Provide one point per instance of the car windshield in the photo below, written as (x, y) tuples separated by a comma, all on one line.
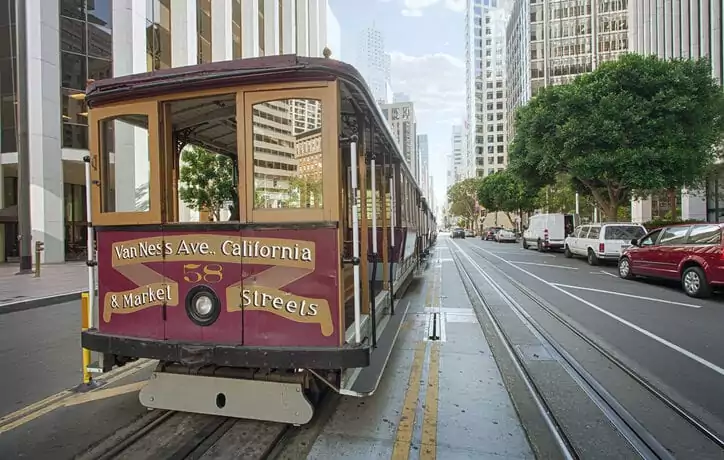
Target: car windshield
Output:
[(624, 232)]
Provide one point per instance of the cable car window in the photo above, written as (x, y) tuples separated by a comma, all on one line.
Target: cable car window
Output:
[(125, 164), (287, 140)]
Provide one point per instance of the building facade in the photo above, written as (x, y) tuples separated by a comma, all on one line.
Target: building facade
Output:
[(486, 133), (374, 63), (682, 29), (95, 39), (423, 154), (403, 124), (550, 42), (457, 162)]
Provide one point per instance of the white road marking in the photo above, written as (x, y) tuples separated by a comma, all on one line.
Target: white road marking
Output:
[(652, 299), (608, 273), (524, 252), (542, 265), (719, 370)]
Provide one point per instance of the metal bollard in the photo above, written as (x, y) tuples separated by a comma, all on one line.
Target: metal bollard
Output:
[(39, 247), (85, 323)]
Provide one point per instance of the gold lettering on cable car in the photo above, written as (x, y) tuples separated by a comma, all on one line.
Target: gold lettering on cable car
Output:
[(292, 260)]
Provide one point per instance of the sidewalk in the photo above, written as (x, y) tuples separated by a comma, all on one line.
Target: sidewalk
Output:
[(57, 283)]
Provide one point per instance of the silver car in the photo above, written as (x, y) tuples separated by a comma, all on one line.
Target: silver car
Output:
[(505, 236)]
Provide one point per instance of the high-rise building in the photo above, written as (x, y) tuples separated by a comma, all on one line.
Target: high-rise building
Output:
[(403, 124), (486, 133), (682, 29), (457, 163), (374, 63), (424, 158), (431, 192), (71, 41), (550, 42)]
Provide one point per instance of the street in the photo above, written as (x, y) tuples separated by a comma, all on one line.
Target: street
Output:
[(40, 352), (671, 340), (666, 338)]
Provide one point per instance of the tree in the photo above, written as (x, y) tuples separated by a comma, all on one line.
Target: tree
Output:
[(206, 181), (461, 197), (632, 125), (561, 196), (505, 191)]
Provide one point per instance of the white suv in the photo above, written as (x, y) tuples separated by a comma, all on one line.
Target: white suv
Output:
[(603, 241)]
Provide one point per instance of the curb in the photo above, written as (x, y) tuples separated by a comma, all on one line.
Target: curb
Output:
[(37, 302)]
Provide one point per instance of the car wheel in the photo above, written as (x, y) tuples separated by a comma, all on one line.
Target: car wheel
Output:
[(592, 259), (525, 244), (624, 269), (694, 282), (567, 252)]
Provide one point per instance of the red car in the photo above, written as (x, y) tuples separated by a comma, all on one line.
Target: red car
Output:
[(692, 253)]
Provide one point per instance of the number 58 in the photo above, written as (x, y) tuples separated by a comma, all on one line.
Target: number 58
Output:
[(211, 273)]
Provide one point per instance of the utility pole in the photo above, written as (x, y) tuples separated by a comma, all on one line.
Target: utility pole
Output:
[(21, 34)]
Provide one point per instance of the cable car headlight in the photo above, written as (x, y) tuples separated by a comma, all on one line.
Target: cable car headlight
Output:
[(202, 306)]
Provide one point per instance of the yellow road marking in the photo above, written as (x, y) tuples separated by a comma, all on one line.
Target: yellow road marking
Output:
[(429, 425), (105, 394), (403, 438), (65, 398)]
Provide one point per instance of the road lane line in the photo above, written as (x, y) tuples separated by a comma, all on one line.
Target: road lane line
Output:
[(542, 265), (608, 273), (719, 370), (428, 448), (603, 291), (406, 425), (105, 393), (66, 397)]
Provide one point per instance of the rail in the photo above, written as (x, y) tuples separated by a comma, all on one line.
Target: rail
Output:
[(641, 439)]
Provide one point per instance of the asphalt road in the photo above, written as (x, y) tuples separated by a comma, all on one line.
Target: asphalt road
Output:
[(40, 354), (672, 340)]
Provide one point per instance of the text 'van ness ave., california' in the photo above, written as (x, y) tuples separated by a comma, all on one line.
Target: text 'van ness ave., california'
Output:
[(216, 248)]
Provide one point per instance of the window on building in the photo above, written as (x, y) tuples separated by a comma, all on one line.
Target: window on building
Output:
[(85, 53), (236, 47), (8, 62), (204, 24), (501, 160), (158, 34)]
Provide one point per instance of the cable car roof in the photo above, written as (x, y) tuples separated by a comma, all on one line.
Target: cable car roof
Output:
[(240, 72)]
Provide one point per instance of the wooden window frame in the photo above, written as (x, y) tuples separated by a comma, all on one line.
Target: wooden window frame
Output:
[(327, 94), (96, 117)]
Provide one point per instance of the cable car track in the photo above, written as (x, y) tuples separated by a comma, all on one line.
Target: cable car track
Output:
[(639, 437), (171, 435)]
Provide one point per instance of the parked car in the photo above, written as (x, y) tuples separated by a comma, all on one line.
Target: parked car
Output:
[(469, 233), (458, 233), (489, 233), (548, 231), (690, 253), (606, 241), (504, 236)]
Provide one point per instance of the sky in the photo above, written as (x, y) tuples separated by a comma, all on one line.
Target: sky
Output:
[(426, 39)]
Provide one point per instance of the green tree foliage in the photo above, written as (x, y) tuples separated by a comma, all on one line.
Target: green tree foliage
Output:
[(206, 181), (505, 191), (462, 198), (561, 197), (633, 125)]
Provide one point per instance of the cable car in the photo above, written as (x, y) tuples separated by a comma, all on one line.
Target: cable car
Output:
[(256, 227)]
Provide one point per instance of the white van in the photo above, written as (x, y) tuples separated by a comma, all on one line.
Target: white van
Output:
[(603, 241), (548, 231)]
